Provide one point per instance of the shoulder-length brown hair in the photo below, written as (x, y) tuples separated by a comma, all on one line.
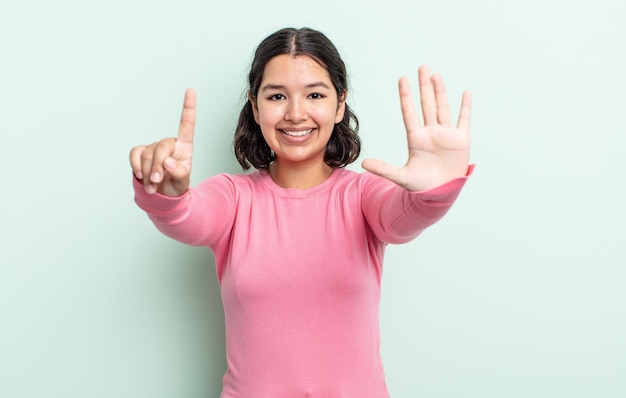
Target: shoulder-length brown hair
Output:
[(344, 145)]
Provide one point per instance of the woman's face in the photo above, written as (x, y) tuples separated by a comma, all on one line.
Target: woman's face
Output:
[(297, 108)]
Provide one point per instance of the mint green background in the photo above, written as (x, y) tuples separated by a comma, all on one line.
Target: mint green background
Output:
[(518, 292)]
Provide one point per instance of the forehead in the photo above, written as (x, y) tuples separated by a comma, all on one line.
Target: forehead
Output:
[(288, 68)]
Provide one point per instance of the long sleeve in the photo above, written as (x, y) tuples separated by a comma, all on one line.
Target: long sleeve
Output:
[(396, 215), (200, 217)]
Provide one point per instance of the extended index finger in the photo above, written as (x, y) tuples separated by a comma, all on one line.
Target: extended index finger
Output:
[(188, 117)]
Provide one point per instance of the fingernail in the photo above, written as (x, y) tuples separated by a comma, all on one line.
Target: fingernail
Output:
[(150, 188), (155, 177), (139, 175)]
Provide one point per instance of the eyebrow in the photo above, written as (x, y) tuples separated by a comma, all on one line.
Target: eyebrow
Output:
[(271, 86)]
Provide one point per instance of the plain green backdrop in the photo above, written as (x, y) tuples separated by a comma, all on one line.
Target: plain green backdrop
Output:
[(518, 292)]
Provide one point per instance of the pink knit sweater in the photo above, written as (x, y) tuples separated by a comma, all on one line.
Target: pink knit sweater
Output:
[(300, 274)]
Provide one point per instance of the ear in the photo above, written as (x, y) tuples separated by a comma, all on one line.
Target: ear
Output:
[(255, 109), (341, 106)]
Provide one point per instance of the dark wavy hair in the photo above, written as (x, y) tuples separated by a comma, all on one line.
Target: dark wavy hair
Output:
[(344, 145)]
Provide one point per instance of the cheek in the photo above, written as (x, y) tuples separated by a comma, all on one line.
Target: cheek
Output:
[(267, 121), (328, 116), (268, 116)]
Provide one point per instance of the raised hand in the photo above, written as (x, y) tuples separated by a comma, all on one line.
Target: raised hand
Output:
[(438, 151), (165, 166)]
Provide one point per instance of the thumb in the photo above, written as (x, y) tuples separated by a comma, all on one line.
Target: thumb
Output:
[(385, 170), (176, 169)]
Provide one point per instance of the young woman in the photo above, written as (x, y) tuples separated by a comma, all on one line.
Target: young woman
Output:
[(299, 242)]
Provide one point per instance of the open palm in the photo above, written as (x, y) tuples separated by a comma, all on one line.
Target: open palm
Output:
[(438, 151)]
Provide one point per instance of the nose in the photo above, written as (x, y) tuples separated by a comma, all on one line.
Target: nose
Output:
[(296, 111)]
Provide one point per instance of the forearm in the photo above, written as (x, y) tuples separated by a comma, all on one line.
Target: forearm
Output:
[(199, 217), (396, 215)]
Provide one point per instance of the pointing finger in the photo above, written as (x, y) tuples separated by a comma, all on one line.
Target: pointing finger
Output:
[(188, 118)]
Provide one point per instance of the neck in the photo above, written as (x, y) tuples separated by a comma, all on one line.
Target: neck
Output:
[(299, 176)]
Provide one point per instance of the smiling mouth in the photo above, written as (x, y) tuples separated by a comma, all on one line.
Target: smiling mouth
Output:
[(301, 133)]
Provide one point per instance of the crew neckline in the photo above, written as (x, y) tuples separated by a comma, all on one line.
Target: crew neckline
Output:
[(297, 192)]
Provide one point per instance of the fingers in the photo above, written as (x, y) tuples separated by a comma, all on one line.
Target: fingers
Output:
[(409, 114), (135, 160), (162, 171), (188, 118), (427, 96), (434, 101), (175, 169), (443, 107), (463, 123), (151, 163), (162, 161)]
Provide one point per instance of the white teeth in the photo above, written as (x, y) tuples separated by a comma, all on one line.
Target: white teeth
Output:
[(297, 133)]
